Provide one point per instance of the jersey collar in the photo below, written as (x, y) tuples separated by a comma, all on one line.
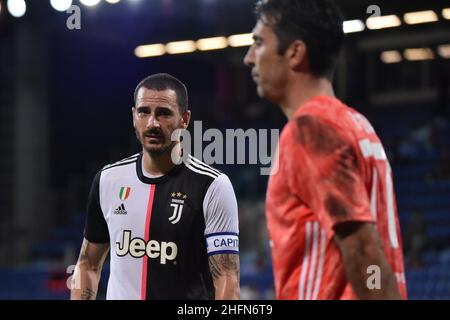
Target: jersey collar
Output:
[(149, 180)]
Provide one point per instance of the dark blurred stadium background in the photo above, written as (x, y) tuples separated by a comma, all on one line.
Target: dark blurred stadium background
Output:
[(65, 99)]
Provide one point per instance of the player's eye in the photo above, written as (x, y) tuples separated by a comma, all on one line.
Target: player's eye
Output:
[(143, 111), (164, 112)]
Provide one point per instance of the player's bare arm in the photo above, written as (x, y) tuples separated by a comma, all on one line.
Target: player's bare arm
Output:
[(85, 280), (361, 247), (225, 274)]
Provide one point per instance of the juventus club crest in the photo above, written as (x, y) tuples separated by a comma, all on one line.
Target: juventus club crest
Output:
[(177, 204)]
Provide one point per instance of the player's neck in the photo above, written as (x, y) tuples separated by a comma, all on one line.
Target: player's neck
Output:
[(301, 90), (160, 164)]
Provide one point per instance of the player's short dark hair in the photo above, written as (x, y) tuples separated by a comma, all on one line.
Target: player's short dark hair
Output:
[(164, 81), (318, 23)]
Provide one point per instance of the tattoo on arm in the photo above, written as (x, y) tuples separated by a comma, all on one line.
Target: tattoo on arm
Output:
[(223, 264), (87, 294)]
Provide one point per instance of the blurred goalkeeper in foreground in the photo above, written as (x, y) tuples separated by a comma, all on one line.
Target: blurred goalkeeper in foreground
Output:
[(330, 204)]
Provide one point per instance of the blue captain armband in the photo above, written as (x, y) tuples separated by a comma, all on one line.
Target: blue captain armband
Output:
[(222, 243)]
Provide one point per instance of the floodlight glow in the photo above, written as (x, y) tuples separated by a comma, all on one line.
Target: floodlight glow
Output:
[(212, 43), (17, 8), (444, 51), (391, 56), (420, 17), (240, 40), (90, 3), (418, 54), (353, 26), (180, 47), (150, 50), (61, 5), (382, 22)]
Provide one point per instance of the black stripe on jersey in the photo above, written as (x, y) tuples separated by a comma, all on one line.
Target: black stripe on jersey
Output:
[(198, 162), (222, 234), (135, 156), (200, 171), (203, 168), (119, 164), (130, 157), (196, 168)]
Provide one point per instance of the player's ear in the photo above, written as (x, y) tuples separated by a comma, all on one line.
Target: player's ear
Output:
[(186, 118), (133, 110), (296, 54)]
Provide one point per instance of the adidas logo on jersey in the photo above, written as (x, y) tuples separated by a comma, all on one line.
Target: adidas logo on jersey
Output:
[(120, 210)]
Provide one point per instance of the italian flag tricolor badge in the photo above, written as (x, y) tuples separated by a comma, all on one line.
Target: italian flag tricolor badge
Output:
[(124, 193)]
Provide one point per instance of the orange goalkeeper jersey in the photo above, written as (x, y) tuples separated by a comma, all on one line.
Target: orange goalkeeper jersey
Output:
[(331, 168)]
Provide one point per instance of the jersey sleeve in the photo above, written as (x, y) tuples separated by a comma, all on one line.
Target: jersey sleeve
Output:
[(325, 171), (96, 229), (221, 217)]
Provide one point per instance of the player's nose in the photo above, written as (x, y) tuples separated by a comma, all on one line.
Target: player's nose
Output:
[(152, 122), (249, 58)]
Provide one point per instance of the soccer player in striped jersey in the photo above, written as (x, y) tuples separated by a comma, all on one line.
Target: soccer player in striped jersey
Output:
[(171, 227), (330, 205)]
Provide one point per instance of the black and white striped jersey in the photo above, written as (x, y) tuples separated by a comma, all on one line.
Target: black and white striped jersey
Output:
[(161, 230)]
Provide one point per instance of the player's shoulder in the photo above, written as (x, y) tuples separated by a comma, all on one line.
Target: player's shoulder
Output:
[(329, 109), (121, 168), (202, 170), (327, 112), (321, 121), (124, 163)]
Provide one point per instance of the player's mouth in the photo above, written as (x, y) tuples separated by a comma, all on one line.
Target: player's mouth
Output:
[(255, 77), (154, 137)]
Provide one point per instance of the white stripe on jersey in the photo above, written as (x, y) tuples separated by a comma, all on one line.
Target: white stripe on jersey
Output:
[(134, 156), (312, 269), (202, 164), (196, 168), (305, 262), (129, 159), (373, 197), (392, 227), (323, 241), (314, 258), (198, 171)]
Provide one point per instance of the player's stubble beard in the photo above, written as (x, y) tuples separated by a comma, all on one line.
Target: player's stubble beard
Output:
[(272, 91), (156, 152)]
